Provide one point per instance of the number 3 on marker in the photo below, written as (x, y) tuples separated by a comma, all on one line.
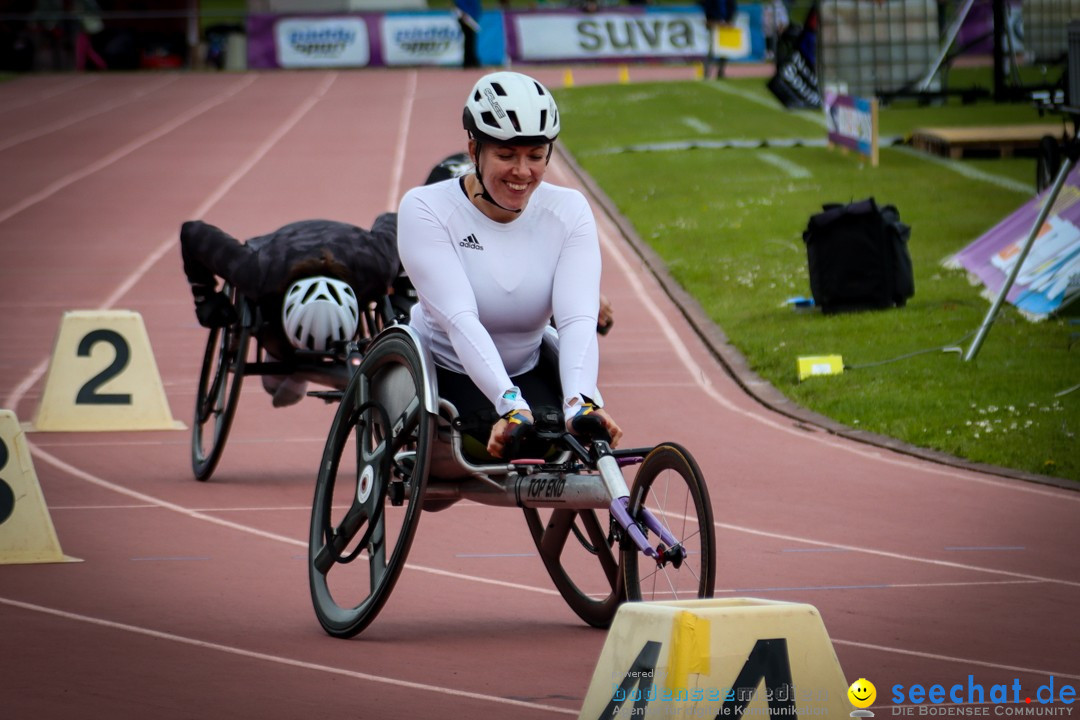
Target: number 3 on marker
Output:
[(88, 394), (7, 495)]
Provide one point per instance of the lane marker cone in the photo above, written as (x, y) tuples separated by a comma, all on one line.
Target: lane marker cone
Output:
[(27, 534), (102, 376), (568, 78), (727, 658), (624, 74), (699, 71)]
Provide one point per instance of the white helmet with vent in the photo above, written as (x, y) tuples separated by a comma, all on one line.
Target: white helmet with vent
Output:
[(511, 109), (319, 311)]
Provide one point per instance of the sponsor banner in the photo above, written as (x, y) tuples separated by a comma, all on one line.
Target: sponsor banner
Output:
[(851, 122), (1049, 279), (628, 35), (435, 38), (421, 39), (323, 42), (363, 39)]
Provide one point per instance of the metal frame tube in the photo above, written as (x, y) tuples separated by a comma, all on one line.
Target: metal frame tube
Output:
[(1048, 203)]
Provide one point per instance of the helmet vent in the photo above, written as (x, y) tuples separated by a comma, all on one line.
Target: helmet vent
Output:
[(543, 120), (489, 119), (514, 120), (498, 89), (539, 88)]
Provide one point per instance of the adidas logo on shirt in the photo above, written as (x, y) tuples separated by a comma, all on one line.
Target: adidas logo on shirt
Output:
[(471, 243)]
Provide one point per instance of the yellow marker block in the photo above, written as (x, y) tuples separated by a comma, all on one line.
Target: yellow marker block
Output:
[(729, 658), (699, 71), (27, 534), (624, 74), (819, 365), (102, 376), (568, 78)]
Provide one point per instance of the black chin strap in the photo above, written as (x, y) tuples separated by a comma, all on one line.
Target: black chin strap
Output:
[(486, 195)]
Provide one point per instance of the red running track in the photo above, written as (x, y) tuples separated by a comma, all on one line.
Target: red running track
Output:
[(192, 598)]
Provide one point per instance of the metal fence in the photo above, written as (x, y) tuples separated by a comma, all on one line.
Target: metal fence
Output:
[(889, 47), (867, 48)]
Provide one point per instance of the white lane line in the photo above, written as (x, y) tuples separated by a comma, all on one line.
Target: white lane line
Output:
[(792, 169), (46, 94), (92, 112), (124, 151), (169, 243), (953, 659), (767, 101), (819, 119), (610, 239), (696, 125), (226, 185), (280, 660), (207, 517), (874, 586), (398, 168), (968, 171), (894, 555), (199, 515)]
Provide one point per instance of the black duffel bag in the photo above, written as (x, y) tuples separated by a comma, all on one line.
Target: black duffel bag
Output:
[(858, 257)]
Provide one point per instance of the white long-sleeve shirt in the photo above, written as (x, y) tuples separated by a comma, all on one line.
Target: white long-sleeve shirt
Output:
[(488, 289)]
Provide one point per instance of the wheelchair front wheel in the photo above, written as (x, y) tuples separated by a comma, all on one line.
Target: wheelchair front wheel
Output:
[(218, 393), (370, 488), (671, 486)]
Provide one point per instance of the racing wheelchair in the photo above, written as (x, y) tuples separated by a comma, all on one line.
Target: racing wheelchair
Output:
[(395, 449), (227, 360)]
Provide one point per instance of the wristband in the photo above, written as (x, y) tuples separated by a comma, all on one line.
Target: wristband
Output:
[(517, 417)]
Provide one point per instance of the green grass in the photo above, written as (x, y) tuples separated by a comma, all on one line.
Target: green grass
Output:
[(729, 226)]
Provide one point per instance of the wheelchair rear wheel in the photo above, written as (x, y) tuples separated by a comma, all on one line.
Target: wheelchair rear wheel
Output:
[(671, 486), (583, 567), (218, 393), (370, 487)]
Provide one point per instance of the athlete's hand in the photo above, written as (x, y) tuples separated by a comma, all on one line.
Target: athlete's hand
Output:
[(507, 431), (215, 309), (606, 318), (589, 415)]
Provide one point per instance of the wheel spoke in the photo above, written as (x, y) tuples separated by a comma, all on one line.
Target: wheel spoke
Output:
[(599, 541), (670, 485)]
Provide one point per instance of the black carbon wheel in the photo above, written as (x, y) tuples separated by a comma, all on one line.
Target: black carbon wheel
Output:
[(580, 559), (218, 393), (370, 487), (670, 485)]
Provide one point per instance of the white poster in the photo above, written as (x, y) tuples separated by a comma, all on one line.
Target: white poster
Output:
[(322, 42), (421, 40), (543, 36)]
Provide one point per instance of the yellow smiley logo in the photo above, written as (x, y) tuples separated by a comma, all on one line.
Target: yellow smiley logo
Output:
[(862, 693)]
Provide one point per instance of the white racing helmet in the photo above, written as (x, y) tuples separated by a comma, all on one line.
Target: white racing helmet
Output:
[(319, 311), (511, 109)]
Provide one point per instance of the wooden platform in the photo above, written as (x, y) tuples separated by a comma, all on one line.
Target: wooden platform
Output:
[(1003, 139)]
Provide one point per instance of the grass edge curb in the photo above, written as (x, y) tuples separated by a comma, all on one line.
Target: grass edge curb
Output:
[(750, 382)]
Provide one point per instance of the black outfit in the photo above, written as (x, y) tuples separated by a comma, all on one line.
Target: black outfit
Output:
[(717, 12), (477, 415), (263, 267), (469, 12)]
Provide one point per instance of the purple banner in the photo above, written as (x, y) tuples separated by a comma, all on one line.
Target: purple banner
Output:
[(1050, 276)]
